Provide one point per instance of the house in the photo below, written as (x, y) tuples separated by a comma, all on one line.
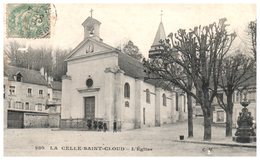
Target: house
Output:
[(25, 98), (219, 115)]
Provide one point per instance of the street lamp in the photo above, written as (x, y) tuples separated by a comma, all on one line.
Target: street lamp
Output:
[(245, 132)]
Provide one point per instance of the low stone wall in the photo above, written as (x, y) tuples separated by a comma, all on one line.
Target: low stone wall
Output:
[(35, 120), (54, 120)]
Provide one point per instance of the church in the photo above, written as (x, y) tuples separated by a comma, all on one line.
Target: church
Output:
[(105, 85)]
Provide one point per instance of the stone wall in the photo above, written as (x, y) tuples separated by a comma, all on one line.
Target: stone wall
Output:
[(32, 120), (54, 120)]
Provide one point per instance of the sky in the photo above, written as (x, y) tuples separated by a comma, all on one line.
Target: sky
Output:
[(138, 22)]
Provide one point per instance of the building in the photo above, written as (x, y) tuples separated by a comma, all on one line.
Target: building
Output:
[(54, 103), (27, 98), (104, 84), (219, 115)]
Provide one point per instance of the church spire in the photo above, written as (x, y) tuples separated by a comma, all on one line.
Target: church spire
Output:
[(159, 37)]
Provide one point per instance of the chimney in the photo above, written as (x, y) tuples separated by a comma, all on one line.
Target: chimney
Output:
[(42, 71)]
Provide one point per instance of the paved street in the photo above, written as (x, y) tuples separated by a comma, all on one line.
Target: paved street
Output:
[(156, 141)]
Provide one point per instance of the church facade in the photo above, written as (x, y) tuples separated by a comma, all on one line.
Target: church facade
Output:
[(103, 84)]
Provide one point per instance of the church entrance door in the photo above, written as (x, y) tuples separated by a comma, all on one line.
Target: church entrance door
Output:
[(90, 107)]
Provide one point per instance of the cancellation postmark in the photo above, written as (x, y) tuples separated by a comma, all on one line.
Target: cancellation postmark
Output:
[(28, 20)]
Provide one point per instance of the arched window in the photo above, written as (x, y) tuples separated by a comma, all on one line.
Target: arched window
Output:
[(127, 90), (147, 95), (164, 100)]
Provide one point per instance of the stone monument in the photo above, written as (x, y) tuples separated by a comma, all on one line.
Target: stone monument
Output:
[(245, 132)]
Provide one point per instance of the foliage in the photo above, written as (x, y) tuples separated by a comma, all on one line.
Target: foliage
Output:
[(36, 58), (132, 50)]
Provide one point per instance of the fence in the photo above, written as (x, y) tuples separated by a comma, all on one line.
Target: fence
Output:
[(88, 124)]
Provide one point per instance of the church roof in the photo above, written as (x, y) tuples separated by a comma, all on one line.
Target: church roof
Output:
[(160, 35), (91, 20), (28, 76), (135, 69)]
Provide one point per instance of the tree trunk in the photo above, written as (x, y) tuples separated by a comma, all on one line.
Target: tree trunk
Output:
[(228, 124), (229, 114), (190, 116), (207, 125)]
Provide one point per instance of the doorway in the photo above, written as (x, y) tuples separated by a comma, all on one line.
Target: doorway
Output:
[(89, 107)]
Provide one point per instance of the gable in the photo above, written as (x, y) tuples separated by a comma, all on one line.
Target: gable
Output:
[(89, 47)]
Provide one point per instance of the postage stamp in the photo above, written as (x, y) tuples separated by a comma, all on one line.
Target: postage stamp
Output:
[(28, 20)]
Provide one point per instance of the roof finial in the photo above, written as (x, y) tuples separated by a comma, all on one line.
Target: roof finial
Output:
[(91, 11), (161, 14)]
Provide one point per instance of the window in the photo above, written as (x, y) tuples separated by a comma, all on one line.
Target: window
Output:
[(29, 92), (9, 103), (177, 102), (18, 105), (27, 106), (126, 104), (220, 116), (49, 96), (127, 90), (4, 91), (39, 105), (40, 93), (147, 95), (12, 90), (164, 100), (237, 97), (251, 96), (19, 77)]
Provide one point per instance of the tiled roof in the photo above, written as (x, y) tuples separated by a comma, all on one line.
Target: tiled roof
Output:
[(28, 76), (56, 85), (135, 69)]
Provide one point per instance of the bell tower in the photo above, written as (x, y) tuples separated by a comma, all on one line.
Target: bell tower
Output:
[(91, 27), (160, 37)]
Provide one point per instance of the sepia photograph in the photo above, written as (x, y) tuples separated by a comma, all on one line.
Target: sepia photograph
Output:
[(129, 79)]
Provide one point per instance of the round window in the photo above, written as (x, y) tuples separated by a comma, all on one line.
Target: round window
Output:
[(89, 82)]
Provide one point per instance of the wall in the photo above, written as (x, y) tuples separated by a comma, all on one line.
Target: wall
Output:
[(21, 95), (80, 71), (129, 112), (149, 107), (165, 111), (56, 96), (33, 120)]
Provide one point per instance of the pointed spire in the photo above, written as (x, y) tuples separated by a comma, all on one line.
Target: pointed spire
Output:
[(160, 35), (156, 47)]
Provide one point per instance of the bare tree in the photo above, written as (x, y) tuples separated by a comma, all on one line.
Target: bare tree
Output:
[(236, 71), (60, 66), (252, 32), (36, 58), (198, 55)]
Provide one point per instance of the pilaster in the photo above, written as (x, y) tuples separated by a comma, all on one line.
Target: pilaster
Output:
[(173, 107), (158, 107), (138, 100)]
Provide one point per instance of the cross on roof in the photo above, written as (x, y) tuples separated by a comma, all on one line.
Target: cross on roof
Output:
[(161, 14), (91, 11)]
